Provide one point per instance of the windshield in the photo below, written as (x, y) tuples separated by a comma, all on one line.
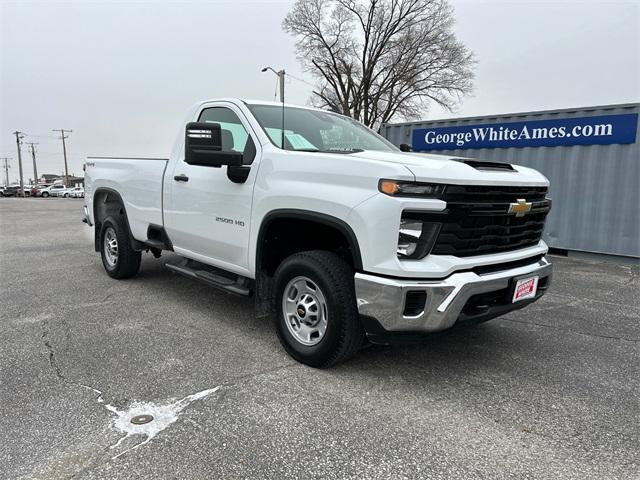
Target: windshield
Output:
[(317, 131)]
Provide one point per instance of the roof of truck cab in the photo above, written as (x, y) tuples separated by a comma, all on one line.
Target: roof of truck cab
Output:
[(249, 101)]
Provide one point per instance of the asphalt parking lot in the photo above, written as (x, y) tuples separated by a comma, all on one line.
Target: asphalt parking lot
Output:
[(550, 391)]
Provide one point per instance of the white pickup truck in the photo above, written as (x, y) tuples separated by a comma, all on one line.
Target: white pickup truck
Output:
[(340, 236)]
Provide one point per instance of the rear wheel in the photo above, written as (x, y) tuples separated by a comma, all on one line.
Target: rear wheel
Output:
[(119, 259), (316, 315)]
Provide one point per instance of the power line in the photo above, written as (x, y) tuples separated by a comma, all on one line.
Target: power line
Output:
[(52, 137), (301, 80)]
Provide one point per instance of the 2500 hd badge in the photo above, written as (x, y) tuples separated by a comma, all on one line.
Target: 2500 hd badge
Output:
[(231, 221)]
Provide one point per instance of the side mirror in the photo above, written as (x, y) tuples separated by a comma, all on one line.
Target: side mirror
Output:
[(405, 147), (203, 146)]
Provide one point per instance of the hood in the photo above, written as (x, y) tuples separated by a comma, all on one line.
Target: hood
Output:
[(447, 169)]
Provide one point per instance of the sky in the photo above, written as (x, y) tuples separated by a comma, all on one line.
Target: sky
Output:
[(122, 74)]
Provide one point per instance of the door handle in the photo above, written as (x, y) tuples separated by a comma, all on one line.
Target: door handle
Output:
[(181, 178)]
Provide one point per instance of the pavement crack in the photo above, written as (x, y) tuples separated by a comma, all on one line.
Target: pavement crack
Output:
[(107, 297), (245, 378), (52, 354), (58, 370)]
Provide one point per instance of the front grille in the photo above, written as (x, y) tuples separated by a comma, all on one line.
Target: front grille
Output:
[(485, 194), (476, 220)]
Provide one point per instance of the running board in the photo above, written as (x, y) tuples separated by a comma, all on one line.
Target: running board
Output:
[(205, 274)]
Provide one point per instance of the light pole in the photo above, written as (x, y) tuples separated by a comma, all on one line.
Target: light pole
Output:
[(280, 74)]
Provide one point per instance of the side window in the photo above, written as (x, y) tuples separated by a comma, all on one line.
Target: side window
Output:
[(234, 135)]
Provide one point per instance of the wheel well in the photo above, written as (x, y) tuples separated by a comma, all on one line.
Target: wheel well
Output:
[(284, 236), (106, 203)]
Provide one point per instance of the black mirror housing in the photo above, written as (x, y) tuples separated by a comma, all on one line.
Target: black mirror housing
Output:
[(405, 147), (203, 146)]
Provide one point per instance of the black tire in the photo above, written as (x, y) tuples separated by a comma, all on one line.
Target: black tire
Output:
[(344, 335), (127, 261), (45, 194)]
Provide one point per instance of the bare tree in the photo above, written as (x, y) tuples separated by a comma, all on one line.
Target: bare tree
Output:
[(379, 59)]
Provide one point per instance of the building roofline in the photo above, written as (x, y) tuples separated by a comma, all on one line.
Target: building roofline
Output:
[(518, 114)]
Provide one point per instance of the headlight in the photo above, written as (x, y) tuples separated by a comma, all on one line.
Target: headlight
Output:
[(397, 188), (416, 238)]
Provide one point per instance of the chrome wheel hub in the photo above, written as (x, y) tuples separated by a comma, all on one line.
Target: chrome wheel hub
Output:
[(305, 311), (111, 247)]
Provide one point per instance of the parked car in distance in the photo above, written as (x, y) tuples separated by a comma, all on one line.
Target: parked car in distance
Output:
[(60, 192), (10, 191), (53, 190), (36, 191), (76, 192)]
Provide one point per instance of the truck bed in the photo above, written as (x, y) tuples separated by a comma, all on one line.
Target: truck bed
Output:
[(139, 181)]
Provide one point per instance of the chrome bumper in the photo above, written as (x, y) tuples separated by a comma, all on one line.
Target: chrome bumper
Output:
[(384, 299)]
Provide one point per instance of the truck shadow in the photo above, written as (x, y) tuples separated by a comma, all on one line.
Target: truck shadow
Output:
[(464, 349)]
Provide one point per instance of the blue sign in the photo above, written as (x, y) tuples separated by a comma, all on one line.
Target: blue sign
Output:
[(601, 130)]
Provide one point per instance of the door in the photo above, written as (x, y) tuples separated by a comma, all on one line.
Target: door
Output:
[(207, 216)]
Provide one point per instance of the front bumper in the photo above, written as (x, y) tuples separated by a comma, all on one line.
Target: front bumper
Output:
[(86, 218), (464, 295)]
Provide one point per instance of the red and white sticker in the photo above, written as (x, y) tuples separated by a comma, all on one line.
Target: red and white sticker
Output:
[(525, 288)]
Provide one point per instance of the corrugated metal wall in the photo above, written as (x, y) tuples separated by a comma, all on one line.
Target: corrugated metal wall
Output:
[(595, 188)]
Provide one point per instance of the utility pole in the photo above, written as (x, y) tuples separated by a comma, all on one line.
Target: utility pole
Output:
[(19, 137), (64, 151), (6, 170), (33, 156)]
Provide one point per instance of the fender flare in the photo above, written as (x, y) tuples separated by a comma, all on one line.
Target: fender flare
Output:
[(309, 215), (135, 243)]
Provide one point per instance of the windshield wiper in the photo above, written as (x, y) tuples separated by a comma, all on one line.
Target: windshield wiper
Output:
[(342, 150), (329, 150)]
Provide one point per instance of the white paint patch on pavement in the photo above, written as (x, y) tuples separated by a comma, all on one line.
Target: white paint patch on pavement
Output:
[(41, 317), (164, 414)]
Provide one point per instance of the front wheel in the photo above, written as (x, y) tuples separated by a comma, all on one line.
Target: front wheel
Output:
[(316, 315), (119, 258), (45, 194)]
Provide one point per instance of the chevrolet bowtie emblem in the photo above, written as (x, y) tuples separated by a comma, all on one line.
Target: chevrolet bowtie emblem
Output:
[(520, 208)]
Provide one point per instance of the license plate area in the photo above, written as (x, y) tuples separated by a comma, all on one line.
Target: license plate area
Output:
[(524, 288)]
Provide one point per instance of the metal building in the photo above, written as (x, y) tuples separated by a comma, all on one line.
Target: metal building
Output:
[(590, 155)]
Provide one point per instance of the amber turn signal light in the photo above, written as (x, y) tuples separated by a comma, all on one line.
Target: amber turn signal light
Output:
[(390, 187)]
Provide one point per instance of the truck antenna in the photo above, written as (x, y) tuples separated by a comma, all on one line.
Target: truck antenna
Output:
[(281, 75)]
